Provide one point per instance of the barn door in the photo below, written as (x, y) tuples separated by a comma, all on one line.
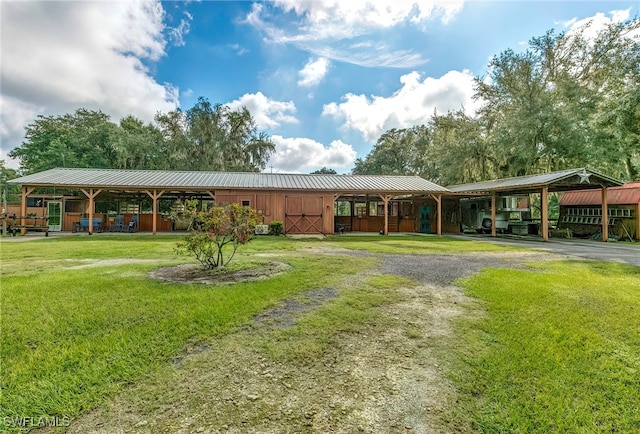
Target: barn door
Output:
[(303, 214)]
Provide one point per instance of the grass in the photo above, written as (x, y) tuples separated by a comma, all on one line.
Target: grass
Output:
[(415, 244), (557, 351), (554, 349), (314, 332), (73, 336)]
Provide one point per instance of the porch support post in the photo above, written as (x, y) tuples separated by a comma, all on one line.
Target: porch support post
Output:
[(638, 221), (26, 191), (493, 214), (155, 195), (91, 194), (544, 211), (385, 201), (438, 199), (605, 215)]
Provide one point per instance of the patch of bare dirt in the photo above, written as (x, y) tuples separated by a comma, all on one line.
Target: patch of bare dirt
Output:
[(88, 263), (194, 273)]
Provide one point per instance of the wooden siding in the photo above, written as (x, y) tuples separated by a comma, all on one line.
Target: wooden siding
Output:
[(287, 207)]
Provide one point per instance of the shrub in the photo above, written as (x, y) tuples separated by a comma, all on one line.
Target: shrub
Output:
[(218, 232), (276, 227)]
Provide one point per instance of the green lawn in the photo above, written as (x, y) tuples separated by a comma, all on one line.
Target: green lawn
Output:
[(555, 348), (557, 351), (73, 336)]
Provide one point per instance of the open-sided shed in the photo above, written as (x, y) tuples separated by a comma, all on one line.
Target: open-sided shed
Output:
[(560, 181), (580, 210), (304, 203)]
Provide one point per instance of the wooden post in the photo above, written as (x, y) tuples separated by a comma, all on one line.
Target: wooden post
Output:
[(638, 222), (155, 195), (91, 208), (438, 200), (493, 214), (23, 210), (91, 194), (605, 215), (544, 211), (385, 200)]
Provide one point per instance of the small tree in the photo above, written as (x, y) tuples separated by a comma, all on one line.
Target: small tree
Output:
[(217, 233)]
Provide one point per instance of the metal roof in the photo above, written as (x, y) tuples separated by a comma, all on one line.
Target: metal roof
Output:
[(119, 179), (563, 180), (628, 194)]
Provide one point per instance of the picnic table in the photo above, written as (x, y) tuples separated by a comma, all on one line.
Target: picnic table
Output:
[(31, 223)]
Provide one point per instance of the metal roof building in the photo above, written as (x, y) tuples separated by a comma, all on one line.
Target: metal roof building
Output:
[(560, 181), (627, 194), (304, 202), (118, 179)]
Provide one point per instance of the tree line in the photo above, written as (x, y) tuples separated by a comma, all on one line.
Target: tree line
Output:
[(205, 137), (569, 100)]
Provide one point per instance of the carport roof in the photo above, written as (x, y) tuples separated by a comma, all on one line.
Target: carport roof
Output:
[(564, 180), (118, 179)]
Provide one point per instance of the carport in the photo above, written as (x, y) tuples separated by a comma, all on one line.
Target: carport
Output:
[(565, 180)]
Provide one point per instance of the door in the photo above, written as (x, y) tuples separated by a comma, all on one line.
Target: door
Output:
[(425, 219), (54, 212), (303, 214)]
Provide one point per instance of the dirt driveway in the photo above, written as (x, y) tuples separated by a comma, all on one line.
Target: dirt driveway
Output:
[(388, 377)]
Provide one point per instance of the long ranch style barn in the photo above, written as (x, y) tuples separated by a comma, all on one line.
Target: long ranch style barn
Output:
[(306, 204)]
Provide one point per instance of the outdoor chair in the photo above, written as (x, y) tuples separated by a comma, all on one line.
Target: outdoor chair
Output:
[(118, 224), (133, 224), (340, 229)]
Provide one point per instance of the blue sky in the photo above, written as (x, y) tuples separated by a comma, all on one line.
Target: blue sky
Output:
[(324, 78)]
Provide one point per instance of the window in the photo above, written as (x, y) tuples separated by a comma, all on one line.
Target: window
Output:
[(35, 202), (342, 208), (360, 209), (246, 203), (373, 208)]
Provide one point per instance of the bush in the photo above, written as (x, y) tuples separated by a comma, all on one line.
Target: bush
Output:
[(276, 227), (218, 232)]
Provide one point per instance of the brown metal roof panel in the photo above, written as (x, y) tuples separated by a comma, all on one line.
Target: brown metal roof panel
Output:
[(628, 194)]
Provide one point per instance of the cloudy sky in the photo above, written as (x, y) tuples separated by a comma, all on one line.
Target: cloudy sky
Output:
[(324, 78)]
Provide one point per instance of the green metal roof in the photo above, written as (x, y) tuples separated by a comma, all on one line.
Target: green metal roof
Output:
[(119, 179), (564, 180)]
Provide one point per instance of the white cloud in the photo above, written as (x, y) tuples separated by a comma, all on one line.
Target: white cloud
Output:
[(60, 56), (337, 19), (313, 72), (349, 31), (414, 103), (305, 155), (266, 112), (177, 34), (239, 49), (593, 25)]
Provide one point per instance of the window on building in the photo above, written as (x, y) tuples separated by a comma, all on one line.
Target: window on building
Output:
[(373, 209), (342, 208), (246, 203), (360, 209)]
